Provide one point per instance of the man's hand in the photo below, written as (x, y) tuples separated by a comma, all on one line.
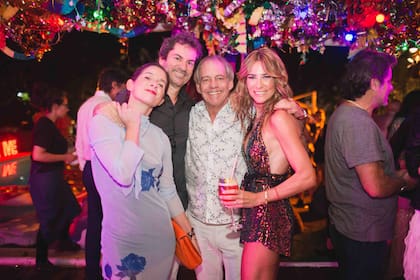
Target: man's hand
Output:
[(292, 108)]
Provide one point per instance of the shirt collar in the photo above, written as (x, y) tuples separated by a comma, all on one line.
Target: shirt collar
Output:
[(101, 93)]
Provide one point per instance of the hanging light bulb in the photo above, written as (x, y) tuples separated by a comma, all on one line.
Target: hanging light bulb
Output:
[(380, 18)]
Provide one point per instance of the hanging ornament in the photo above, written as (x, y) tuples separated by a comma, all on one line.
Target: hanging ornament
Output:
[(232, 7)]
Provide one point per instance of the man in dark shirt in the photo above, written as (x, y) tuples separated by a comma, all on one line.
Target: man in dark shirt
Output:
[(178, 55)]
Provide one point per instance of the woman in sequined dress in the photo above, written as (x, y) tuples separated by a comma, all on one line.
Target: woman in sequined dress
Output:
[(278, 165)]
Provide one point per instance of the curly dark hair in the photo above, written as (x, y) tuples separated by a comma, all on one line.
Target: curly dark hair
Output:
[(366, 65), (183, 38)]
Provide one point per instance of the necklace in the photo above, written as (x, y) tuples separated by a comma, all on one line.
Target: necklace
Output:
[(355, 104)]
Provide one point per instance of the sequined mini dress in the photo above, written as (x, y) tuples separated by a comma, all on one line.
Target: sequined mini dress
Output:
[(271, 224)]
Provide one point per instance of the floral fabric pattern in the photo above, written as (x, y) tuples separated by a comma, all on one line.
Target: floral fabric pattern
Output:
[(211, 152), (131, 265)]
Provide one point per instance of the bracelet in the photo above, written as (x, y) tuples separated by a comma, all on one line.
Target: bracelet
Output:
[(191, 234), (266, 197), (403, 188), (304, 116)]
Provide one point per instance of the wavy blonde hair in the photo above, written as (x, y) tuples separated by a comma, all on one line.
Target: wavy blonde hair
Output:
[(274, 67)]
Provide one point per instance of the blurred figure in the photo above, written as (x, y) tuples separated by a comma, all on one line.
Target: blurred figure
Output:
[(398, 143), (361, 181), (132, 169), (410, 101), (111, 81), (384, 119), (278, 165), (55, 204), (407, 140)]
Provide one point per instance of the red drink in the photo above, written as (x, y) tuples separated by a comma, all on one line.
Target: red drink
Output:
[(227, 184)]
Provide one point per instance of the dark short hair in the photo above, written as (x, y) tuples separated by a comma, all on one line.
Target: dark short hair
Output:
[(109, 75), (366, 65), (140, 70), (49, 96), (182, 38)]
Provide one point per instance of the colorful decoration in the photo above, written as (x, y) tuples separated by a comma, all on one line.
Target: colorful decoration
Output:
[(227, 26)]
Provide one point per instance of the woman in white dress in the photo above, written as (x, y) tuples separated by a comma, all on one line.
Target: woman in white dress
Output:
[(132, 170)]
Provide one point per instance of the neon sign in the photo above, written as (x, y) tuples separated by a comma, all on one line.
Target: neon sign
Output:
[(8, 148), (9, 169)]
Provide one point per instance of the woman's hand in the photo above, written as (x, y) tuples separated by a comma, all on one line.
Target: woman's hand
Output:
[(241, 199), (129, 116)]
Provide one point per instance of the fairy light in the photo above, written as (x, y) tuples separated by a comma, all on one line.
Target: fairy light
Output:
[(380, 18)]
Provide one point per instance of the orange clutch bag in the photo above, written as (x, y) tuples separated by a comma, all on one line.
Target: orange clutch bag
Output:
[(185, 250)]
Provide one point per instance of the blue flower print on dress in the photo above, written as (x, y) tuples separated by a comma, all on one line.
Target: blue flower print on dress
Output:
[(130, 266), (147, 179), (108, 271)]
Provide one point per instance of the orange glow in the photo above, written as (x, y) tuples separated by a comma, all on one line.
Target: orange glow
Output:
[(9, 169), (9, 148)]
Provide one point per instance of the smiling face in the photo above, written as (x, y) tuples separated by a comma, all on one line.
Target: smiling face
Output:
[(149, 87), (261, 86), (179, 64), (213, 84)]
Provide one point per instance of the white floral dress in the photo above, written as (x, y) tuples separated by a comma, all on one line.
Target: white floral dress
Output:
[(138, 199)]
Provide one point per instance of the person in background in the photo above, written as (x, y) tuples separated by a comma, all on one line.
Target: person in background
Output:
[(405, 210), (111, 81), (132, 169), (406, 141), (54, 202), (410, 101), (361, 181), (178, 54), (385, 118), (278, 165)]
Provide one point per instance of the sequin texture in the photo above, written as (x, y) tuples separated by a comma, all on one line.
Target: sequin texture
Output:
[(272, 224)]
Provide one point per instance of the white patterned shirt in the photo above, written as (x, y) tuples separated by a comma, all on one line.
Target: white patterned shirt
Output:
[(84, 115), (211, 152)]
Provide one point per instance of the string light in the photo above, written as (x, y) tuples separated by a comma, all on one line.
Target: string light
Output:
[(387, 24)]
